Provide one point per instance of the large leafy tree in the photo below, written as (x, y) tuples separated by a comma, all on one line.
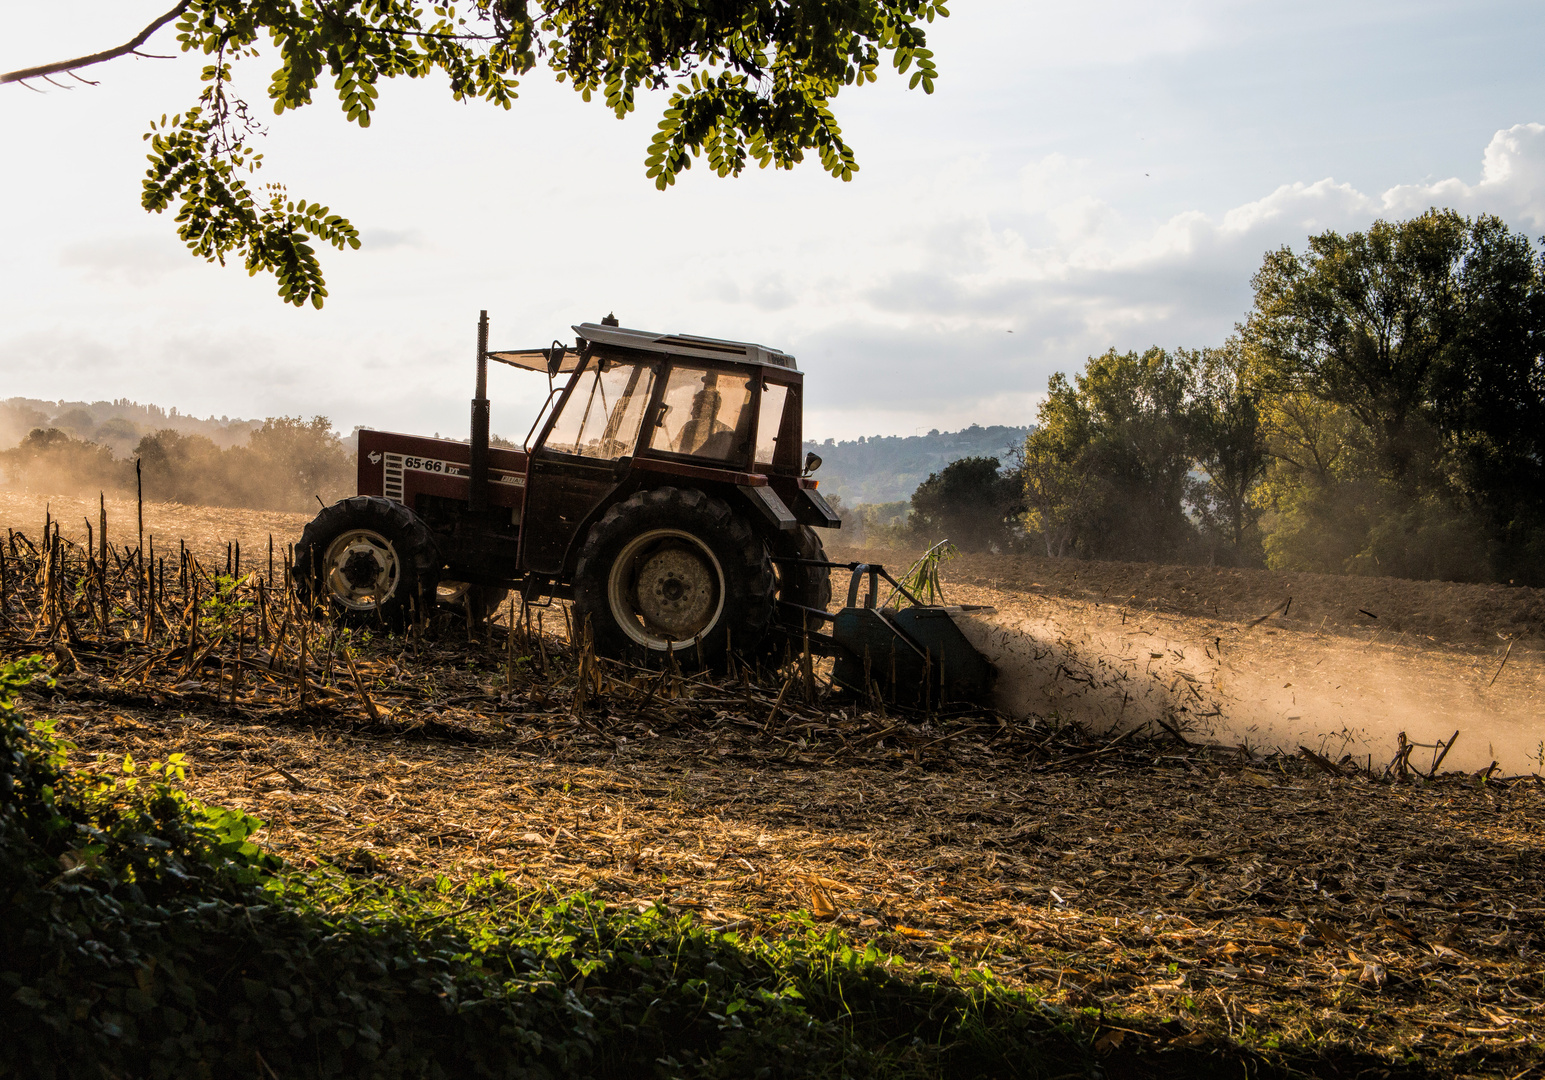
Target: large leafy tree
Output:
[(1146, 456), (1409, 399), (1119, 433), (753, 80), (1401, 326)]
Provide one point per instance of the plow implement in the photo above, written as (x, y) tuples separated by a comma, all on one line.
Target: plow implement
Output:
[(910, 654)]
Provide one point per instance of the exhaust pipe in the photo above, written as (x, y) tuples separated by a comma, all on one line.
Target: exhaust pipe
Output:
[(477, 497)]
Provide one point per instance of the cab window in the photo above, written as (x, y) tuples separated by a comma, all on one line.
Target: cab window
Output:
[(707, 413), (769, 421), (603, 414)]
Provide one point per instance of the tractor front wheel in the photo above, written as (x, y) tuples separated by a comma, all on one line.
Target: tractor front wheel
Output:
[(367, 560), (673, 570)]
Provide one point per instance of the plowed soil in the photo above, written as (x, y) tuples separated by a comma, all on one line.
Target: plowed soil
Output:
[(1440, 613), (1105, 839)]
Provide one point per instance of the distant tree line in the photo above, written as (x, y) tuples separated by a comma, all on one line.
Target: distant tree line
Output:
[(1381, 410), (883, 469), (285, 465)]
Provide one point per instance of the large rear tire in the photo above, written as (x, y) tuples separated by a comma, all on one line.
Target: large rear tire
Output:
[(673, 570), (370, 561), (807, 586)]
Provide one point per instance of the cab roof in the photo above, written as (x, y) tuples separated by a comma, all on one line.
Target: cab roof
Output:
[(685, 345)]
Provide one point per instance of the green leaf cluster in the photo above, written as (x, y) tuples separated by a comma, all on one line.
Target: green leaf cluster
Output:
[(219, 215), (754, 80)]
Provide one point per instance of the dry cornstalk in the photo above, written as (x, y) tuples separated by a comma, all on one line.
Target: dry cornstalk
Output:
[(359, 684)]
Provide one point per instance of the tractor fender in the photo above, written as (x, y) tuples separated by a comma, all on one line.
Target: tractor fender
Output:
[(766, 504)]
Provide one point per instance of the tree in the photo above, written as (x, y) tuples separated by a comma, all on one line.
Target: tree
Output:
[(1057, 468), (1120, 431), (756, 81), (1228, 444), (970, 503), (303, 459), (48, 459), (187, 469), (1409, 422)]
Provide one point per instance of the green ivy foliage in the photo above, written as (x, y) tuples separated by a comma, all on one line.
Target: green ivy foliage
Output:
[(754, 80), (143, 934)]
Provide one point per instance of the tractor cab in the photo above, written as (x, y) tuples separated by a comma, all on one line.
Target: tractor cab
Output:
[(641, 408), (702, 401)]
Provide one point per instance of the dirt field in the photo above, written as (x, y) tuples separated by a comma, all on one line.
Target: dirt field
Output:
[(1345, 668), (1201, 893)]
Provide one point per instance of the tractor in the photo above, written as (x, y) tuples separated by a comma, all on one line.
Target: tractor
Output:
[(660, 491)]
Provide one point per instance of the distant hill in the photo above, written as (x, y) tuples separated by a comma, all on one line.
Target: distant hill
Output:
[(888, 468), (117, 424)]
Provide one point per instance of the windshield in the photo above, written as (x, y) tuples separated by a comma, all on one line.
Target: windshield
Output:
[(707, 413), (604, 412)]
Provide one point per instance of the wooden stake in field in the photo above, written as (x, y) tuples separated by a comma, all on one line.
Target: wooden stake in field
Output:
[(263, 609), (305, 687), (107, 604), (139, 489), (359, 684), (509, 646), (147, 608), (241, 633)]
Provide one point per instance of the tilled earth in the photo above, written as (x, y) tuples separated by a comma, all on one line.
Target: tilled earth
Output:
[(1351, 920), (1205, 896)]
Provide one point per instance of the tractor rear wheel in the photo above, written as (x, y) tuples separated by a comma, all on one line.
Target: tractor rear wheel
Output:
[(673, 570), (804, 586), (807, 586), (367, 560)]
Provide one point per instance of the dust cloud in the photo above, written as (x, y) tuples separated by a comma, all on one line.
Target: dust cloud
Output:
[(1265, 686)]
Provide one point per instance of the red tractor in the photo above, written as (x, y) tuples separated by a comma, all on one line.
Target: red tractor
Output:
[(661, 490)]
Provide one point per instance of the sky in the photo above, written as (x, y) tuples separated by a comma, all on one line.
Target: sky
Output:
[(1105, 174)]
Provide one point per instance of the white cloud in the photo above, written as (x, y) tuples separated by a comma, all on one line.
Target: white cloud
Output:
[(136, 261)]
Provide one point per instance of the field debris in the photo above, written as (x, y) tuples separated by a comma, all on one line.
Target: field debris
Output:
[(1290, 903)]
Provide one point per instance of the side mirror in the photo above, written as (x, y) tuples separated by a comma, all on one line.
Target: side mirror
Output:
[(555, 358), (812, 462)]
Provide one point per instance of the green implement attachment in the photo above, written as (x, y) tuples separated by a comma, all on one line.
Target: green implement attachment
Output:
[(912, 656)]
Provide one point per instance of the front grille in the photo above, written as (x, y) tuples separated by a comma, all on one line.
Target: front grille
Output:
[(391, 484)]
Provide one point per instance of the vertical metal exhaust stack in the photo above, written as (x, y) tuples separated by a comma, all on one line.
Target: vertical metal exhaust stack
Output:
[(477, 498)]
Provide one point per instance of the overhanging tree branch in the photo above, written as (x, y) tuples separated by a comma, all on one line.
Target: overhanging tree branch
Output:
[(43, 70)]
